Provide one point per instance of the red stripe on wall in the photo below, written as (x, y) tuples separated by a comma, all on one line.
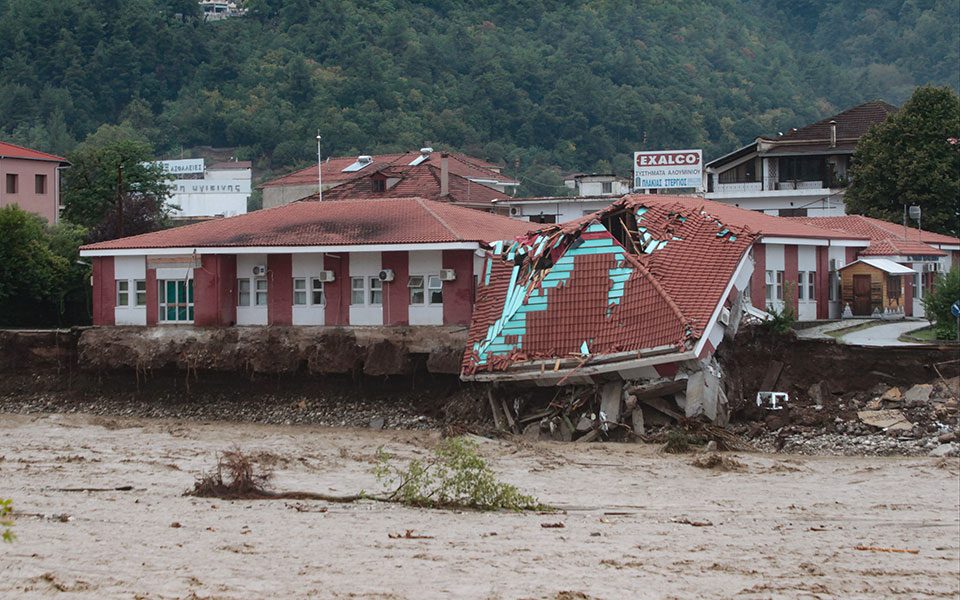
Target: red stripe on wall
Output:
[(850, 254), (279, 289), (790, 274), (396, 310), (104, 291), (337, 292), (458, 294), (153, 298)]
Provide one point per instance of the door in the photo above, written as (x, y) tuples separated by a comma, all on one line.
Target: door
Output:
[(861, 295)]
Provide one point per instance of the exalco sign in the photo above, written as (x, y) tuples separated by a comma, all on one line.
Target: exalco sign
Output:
[(668, 169)]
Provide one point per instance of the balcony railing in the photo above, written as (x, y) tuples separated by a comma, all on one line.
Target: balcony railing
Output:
[(738, 188)]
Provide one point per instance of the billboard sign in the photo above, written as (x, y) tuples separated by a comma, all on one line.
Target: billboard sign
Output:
[(668, 169), (211, 186), (183, 166)]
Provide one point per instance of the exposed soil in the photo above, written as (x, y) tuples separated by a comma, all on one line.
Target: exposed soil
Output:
[(635, 522)]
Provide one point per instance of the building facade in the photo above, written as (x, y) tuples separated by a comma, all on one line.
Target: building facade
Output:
[(803, 172), (200, 191), (30, 179), (347, 263)]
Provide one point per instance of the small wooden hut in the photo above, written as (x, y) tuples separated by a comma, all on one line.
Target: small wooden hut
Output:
[(873, 284)]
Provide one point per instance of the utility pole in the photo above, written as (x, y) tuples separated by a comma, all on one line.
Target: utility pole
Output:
[(319, 170), (120, 200)]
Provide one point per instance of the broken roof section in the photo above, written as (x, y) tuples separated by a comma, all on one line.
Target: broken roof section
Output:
[(637, 281)]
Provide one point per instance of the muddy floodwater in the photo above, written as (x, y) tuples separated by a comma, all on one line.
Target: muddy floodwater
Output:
[(635, 523)]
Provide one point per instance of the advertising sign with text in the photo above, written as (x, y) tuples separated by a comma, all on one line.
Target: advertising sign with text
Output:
[(668, 169)]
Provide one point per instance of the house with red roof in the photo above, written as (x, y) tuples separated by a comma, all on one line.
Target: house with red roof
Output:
[(635, 291), (338, 170), (30, 179), (802, 172), (398, 261), (433, 182), (926, 253)]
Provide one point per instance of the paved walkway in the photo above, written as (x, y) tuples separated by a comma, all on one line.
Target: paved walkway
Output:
[(820, 331), (884, 335)]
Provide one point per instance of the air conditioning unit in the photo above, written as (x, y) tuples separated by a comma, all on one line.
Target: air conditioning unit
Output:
[(260, 270), (386, 275), (325, 276), (448, 275), (514, 211), (724, 317)]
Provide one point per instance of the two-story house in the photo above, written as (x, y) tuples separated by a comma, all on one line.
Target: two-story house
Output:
[(800, 173), (31, 180)]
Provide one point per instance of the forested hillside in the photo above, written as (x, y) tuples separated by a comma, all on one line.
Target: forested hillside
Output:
[(577, 84)]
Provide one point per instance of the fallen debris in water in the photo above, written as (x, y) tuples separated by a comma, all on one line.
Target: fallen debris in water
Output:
[(877, 549), (408, 535), (685, 521)]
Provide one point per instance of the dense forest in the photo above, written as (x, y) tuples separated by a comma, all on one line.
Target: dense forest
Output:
[(578, 84)]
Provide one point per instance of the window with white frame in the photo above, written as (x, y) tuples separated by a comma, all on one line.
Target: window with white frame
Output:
[(299, 291), (774, 286), (811, 285), (435, 289), (176, 300), (123, 292), (417, 294), (243, 292), (376, 291), (260, 289), (140, 290), (358, 290), (307, 296), (316, 292)]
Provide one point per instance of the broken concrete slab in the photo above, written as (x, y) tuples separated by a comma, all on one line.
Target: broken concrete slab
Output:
[(892, 395), (610, 397), (889, 420), (636, 418), (584, 424)]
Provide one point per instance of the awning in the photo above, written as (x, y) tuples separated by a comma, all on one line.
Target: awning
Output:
[(885, 265)]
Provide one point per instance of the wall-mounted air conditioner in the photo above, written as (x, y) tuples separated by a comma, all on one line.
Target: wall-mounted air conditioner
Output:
[(514, 211), (386, 275), (447, 275), (260, 270), (325, 276)]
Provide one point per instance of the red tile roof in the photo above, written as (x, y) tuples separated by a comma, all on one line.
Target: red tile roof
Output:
[(851, 123), (460, 164), (421, 181), (667, 299), (768, 225), (886, 238), (8, 150), (341, 223)]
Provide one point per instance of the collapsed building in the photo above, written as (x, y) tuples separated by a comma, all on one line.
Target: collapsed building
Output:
[(636, 297)]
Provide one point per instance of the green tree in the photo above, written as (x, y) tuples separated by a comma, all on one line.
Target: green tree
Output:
[(937, 304), (911, 158), (31, 272), (113, 188)]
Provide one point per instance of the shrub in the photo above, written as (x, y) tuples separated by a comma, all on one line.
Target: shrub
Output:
[(6, 509), (455, 476), (937, 304)]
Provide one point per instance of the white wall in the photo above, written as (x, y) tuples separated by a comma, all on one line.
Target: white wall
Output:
[(426, 263), (308, 266), (807, 261), (251, 315), (130, 269), (775, 262), (838, 254), (365, 264)]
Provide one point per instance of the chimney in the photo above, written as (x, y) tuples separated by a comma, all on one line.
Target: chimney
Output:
[(833, 134), (444, 175)]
